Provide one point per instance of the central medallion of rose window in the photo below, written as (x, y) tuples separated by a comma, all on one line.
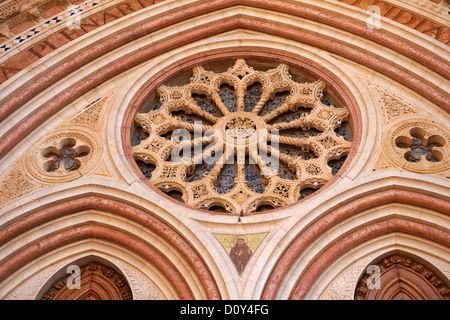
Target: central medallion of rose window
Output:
[(242, 140), (240, 127)]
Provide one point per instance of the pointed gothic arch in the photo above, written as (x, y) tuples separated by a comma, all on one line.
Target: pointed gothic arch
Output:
[(92, 281), (400, 276)]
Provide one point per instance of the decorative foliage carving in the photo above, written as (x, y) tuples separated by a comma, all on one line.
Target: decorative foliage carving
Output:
[(29, 290), (417, 287), (91, 114), (227, 139), (394, 106), (93, 274), (143, 288), (16, 184), (391, 105)]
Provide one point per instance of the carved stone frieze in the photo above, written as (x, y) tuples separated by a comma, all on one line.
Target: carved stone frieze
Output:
[(342, 288), (19, 9), (90, 115), (391, 105), (141, 286), (30, 289), (17, 183)]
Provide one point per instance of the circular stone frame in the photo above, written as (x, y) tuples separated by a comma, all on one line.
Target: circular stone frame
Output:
[(83, 139)]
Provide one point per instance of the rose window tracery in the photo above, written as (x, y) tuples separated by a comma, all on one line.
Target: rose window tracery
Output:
[(242, 140)]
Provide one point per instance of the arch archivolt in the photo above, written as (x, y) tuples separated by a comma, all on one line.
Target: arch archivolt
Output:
[(74, 222), (137, 229)]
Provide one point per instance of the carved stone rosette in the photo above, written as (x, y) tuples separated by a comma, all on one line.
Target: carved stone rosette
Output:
[(418, 145), (64, 155), (242, 140)]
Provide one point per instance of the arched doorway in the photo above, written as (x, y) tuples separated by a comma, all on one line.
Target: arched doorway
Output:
[(93, 281), (398, 277)]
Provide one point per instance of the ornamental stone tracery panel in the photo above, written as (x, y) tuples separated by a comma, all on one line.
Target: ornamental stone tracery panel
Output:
[(242, 140), (62, 156)]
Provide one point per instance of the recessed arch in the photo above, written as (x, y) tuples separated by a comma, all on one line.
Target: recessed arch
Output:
[(101, 232), (90, 281), (62, 275), (358, 261), (401, 275), (363, 234), (34, 279)]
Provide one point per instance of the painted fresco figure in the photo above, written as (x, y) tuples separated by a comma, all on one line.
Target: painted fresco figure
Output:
[(240, 255)]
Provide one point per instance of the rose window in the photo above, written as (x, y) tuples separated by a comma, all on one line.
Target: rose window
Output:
[(243, 140)]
